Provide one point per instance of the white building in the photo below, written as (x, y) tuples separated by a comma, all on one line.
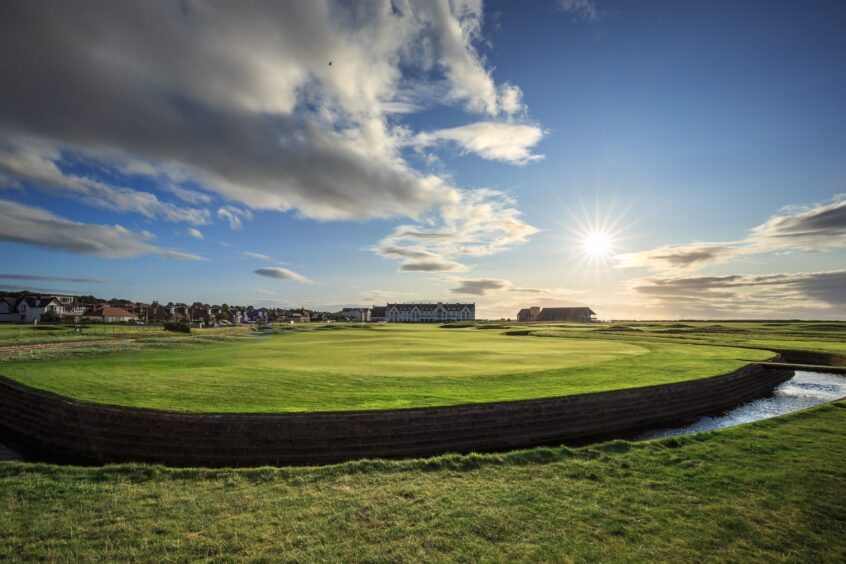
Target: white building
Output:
[(430, 312), (28, 309)]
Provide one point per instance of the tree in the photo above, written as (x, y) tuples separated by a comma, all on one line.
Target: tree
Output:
[(51, 316)]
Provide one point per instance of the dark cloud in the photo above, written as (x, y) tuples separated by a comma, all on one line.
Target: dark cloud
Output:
[(818, 227), (479, 286), (41, 277), (692, 255), (282, 274), (430, 266), (239, 97), (762, 294)]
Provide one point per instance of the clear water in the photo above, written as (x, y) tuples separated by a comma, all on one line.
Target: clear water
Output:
[(804, 390)]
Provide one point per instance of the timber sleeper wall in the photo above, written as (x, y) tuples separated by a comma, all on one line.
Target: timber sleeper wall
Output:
[(99, 433)]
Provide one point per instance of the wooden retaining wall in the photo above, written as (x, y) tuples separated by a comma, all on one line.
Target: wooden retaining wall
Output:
[(98, 433)]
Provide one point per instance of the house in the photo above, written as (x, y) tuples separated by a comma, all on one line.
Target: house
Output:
[(257, 315), (29, 308), (8, 311), (73, 312), (109, 314), (299, 318), (377, 313), (177, 311), (360, 314), (571, 314), (156, 313), (430, 312)]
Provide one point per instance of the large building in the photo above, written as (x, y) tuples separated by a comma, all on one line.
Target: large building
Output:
[(430, 312), (574, 314)]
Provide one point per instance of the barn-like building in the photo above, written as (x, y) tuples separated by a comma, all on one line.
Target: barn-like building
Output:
[(573, 314)]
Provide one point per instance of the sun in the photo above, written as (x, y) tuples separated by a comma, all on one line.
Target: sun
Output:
[(597, 244)]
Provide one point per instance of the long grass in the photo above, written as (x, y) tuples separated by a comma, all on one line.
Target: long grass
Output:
[(773, 491)]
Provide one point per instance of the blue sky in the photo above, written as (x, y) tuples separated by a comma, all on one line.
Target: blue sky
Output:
[(451, 151)]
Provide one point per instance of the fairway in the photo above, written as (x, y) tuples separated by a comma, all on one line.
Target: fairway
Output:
[(384, 367)]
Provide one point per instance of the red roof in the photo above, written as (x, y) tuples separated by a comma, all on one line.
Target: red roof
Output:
[(108, 311)]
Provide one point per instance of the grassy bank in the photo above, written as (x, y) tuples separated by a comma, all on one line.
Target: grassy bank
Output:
[(771, 491), (396, 366)]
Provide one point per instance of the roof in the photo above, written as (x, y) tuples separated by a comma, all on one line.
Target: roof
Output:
[(548, 312), (33, 301), (431, 306), (568, 310), (378, 311), (108, 311)]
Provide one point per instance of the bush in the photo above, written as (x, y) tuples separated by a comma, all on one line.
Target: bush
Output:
[(177, 326)]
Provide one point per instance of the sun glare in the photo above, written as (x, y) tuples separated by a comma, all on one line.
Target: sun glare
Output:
[(597, 244)]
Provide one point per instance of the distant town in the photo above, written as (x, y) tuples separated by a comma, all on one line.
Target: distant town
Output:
[(30, 307)]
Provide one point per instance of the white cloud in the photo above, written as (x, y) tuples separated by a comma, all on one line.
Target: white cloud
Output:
[(34, 226), (282, 274), (234, 216), (500, 141), (482, 222), (580, 9), (195, 233), (259, 256)]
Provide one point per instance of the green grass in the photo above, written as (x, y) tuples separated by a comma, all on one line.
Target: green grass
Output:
[(773, 491), (20, 334), (397, 366)]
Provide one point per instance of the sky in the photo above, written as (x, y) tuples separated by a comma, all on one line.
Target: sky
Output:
[(655, 159)]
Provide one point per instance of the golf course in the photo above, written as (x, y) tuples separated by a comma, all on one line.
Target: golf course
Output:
[(369, 368), (771, 489)]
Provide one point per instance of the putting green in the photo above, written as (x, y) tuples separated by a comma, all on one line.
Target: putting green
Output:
[(385, 367)]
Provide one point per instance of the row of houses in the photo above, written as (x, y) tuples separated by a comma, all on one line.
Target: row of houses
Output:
[(27, 309), (70, 309)]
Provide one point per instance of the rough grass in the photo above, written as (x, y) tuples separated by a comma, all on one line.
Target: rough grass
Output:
[(396, 366), (773, 491)]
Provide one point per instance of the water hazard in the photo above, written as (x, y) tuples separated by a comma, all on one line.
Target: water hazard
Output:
[(804, 390)]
